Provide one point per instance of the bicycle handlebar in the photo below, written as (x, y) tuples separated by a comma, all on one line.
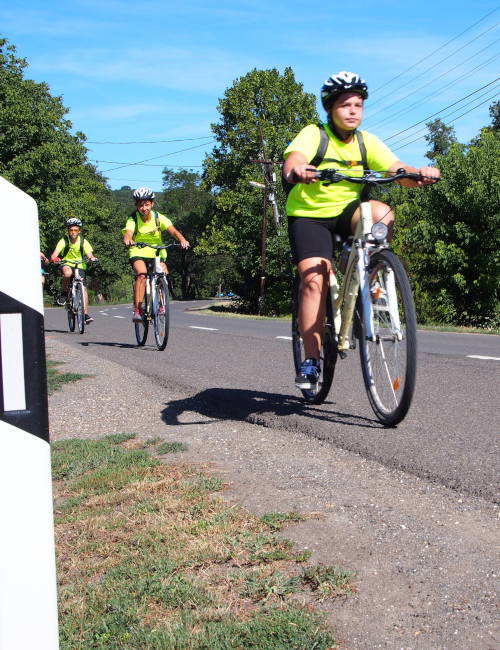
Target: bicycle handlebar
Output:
[(330, 176), (141, 244)]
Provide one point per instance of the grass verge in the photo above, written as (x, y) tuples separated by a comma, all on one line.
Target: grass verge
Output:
[(149, 557), (55, 378)]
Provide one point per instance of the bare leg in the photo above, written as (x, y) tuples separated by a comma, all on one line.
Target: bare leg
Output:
[(313, 285), (140, 282)]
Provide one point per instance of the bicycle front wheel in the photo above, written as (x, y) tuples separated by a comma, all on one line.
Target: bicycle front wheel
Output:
[(389, 361), (141, 327), (79, 307), (161, 317), (328, 352), (71, 317)]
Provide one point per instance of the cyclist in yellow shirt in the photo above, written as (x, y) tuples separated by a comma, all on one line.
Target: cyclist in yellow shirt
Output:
[(146, 225), (70, 251), (316, 213)]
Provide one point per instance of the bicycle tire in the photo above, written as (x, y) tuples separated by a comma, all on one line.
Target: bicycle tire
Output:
[(161, 321), (328, 352), (141, 327), (79, 307), (71, 317), (389, 363)]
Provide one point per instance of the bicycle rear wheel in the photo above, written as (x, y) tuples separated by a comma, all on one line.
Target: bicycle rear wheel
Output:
[(161, 317), (141, 327), (328, 352), (79, 307), (389, 362)]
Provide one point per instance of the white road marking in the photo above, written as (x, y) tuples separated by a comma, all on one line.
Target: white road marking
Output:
[(196, 327), (285, 338), (119, 316), (479, 356)]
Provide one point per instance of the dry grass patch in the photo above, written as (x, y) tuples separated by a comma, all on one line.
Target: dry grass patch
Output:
[(148, 557)]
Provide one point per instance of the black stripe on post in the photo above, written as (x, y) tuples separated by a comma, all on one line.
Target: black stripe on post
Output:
[(34, 418)]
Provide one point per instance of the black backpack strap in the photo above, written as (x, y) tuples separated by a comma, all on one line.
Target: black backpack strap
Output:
[(65, 248), (82, 241), (318, 157), (322, 147), (365, 192)]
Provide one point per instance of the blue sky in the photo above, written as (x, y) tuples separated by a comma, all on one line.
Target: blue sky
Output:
[(154, 71)]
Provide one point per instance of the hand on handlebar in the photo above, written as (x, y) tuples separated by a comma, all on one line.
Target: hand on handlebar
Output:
[(129, 243), (302, 173), (428, 175)]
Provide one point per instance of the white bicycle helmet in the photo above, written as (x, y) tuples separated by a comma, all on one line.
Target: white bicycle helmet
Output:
[(342, 82), (143, 194), (73, 222)]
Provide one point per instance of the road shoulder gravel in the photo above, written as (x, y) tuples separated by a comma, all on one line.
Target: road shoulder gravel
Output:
[(426, 557)]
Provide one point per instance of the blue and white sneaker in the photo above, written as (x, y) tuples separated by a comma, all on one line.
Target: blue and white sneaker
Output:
[(308, 376)]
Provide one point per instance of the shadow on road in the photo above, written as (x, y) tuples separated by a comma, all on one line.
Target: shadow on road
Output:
[(110, 344), (265, 409)]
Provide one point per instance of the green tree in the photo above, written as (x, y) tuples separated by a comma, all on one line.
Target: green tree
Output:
[(440, 137), (449, 235), (190, 206), (259, 114), (495, 116), (40, 155)]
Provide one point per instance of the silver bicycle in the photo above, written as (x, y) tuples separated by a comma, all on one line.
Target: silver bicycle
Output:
[(373, 304)]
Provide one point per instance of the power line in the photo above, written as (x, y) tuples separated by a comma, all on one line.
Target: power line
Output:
[(205, 137), (461, 77), (434, 52), (443, 109), (451, 122), (140, 162), (410, 81)]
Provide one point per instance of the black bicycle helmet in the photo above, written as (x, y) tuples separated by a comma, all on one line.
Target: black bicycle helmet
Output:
[(342, 82), (74, 221), (143, 194)]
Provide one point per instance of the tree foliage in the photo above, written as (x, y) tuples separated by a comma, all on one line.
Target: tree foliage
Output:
[(449, 236), (259, 114), (40, 155), (440, 137), (189, 206)]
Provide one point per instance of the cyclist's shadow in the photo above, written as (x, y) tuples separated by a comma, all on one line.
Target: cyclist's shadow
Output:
[(257, 407)]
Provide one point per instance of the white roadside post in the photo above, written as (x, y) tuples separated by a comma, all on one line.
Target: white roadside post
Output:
[(28, 594)]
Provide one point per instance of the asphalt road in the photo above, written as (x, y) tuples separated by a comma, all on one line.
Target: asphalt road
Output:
[(241, 369)]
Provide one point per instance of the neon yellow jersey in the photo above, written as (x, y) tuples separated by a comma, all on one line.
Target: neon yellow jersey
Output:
[(72, 256), (318, 200), (148, 233)]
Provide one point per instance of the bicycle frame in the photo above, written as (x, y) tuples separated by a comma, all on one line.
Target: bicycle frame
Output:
[(344, 299)]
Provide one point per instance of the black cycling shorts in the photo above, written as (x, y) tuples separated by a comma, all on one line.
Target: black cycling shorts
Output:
[(310, 237), (149, 261)]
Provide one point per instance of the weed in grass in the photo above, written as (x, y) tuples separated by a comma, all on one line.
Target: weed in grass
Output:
[(150, 442), (276, 520), (56, 379), (265, 587), (328, 581), (170, 448)]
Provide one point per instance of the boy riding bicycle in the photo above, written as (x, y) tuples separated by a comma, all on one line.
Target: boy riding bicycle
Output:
[(316, 212), (70, 251), (145, 225)]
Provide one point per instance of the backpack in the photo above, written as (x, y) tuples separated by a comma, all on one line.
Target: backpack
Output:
[(134, 217), (321, 151), (67, 244)]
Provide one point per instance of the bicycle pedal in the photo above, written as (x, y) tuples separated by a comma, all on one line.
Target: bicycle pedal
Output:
[(342, 354)]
